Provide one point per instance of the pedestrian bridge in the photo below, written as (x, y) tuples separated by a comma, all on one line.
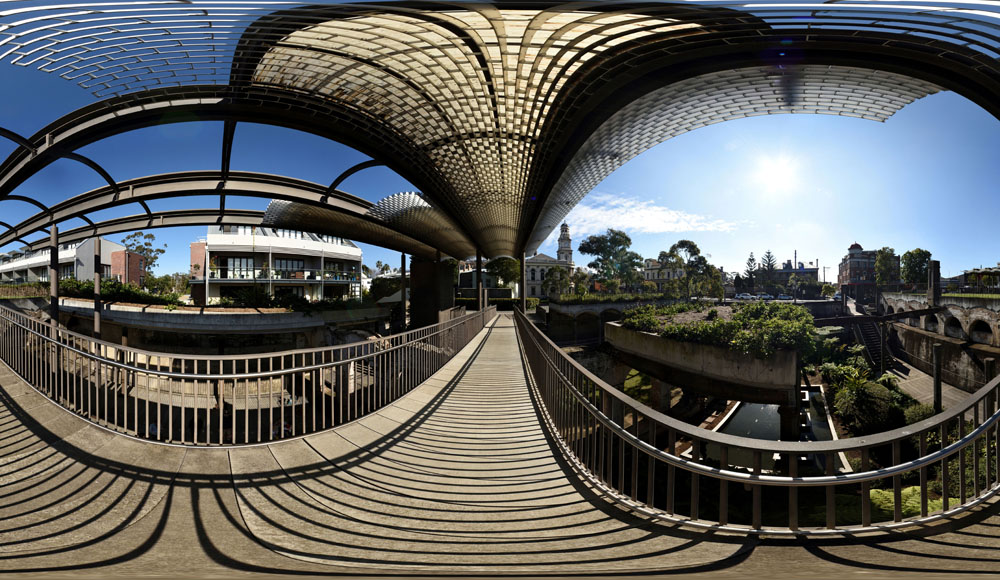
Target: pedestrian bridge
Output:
[(482, 467)]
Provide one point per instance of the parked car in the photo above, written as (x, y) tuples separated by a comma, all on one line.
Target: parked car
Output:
[(836, 296), (765, 296), (784, 297), (745, 296)]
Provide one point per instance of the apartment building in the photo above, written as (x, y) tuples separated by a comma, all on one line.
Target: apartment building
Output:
[(76, 260), (231, 259)]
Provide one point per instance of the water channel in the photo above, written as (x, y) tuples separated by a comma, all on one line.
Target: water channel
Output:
[(761, 421)]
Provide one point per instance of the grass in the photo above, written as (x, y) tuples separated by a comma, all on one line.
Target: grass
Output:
[(985, 296)]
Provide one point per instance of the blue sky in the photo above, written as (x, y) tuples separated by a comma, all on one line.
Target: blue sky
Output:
[(813, 183)]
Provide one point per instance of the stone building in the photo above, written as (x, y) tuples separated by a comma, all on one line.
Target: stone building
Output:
[(856, 275), (539, 265)]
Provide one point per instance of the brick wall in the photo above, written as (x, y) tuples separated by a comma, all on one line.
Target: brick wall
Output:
[(198, 257), (135, 271)]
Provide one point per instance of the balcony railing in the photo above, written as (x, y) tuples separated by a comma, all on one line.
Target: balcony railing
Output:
[(266, 274), (671, 470), (226, 400)]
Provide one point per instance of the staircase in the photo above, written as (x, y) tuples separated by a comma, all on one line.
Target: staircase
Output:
[(867, 333)]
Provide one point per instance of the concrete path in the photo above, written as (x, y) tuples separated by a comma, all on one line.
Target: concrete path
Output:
[(457, 477), (920, 386)]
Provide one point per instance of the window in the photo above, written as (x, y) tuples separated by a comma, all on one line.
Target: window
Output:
[(240, 268), (291, 234), (543, 275), (532, 274), (67, 271), (532, 290)]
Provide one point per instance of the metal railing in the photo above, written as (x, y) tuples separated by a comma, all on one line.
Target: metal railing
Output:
[(263, 275), (226, 400), (664, 467)]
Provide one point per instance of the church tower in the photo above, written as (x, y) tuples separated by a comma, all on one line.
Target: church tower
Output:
[(565, 252)]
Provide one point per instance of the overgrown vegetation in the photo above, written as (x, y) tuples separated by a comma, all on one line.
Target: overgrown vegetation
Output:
[(590, 298), (757, 329), (114, 291)]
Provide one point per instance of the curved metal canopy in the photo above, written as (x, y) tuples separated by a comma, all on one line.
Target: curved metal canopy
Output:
[(413, 227), (503, 114)]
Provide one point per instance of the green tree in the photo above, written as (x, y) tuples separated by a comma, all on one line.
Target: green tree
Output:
[(914, 265), (142, 244), (613, 260), (828, 290), (557, 281), (506, 270), (750, 273), (768, 264), (581, 281), (687, 255), (886, 271)]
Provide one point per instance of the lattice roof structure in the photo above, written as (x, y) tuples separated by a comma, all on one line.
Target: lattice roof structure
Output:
[(503, 114)]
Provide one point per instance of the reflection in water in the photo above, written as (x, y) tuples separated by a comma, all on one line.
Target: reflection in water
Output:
[(760, 421)]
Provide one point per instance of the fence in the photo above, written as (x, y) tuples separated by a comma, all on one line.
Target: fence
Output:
[(221, 400), (664, 467)]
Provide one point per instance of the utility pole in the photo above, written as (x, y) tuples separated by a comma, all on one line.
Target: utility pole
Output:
[(825, 268)]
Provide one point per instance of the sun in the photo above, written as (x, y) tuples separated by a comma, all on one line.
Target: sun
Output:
[(776, 175)]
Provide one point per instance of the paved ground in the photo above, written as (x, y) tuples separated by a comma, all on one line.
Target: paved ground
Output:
[(456, 478), (920, 386)]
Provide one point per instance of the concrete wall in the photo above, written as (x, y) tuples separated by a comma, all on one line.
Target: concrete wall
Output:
[(976, 320), (777, 373), (962, 361)]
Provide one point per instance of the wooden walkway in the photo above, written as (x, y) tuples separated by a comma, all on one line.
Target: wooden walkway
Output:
[(458, 477)]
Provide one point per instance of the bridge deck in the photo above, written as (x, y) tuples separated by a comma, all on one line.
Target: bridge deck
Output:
[(456, 477)]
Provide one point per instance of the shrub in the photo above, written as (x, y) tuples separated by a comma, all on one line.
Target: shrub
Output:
[(888, 380), (864, 407), (712, 314), (918, 412)]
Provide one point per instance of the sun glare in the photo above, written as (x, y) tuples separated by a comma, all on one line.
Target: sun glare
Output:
[(776, 174)]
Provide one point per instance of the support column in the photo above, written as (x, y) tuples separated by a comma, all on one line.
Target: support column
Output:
[(402, 290), (54, 277), (934, 283), (936, 352), (789, 417), (98, 271), (207, 271), (479, 279), (659, 395), (524, 285), (437, 284)]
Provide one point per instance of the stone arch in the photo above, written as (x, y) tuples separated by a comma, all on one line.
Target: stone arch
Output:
[(911, 320), (931, 323), (953, 328), (890, 310), (588, 326), (980, 332)]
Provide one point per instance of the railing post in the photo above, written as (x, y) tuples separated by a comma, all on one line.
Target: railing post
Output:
[(479, 280)]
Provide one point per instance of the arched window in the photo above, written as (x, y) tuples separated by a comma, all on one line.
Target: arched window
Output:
[(543, 274), (532, 274)]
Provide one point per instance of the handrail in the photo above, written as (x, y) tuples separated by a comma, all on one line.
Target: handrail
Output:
[(590, 421), (279, 395), (438, 329)]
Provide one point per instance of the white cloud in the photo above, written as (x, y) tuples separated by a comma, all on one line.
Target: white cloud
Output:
[(600, 211)]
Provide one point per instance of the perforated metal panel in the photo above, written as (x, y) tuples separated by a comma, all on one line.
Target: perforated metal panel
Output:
[(504, 114)]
